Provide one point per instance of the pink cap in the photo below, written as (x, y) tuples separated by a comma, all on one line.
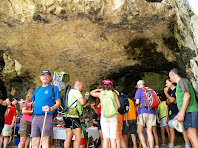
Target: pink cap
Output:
[(107, 82)]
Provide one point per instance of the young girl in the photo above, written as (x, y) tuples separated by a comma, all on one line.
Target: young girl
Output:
[(109, 125), (162, 116), (25, 124)]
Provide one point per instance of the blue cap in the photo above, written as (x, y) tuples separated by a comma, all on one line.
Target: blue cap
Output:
[(46, 71)]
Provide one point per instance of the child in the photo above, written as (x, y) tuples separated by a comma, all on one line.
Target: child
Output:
[(58, 122), (162, 116), (84, 125)]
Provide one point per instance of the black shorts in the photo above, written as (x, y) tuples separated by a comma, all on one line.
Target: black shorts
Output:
[(72, 123), (98, 125), (132, 127)]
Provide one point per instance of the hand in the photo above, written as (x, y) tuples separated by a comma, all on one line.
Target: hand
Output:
[(127, 124), (166, 89), (166, 120), (179, 117), (12, 125), (87, 94), (46, 108), (92, 106)]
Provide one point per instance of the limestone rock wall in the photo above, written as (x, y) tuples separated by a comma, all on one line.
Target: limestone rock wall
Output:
[(92, 40), (186, 33)]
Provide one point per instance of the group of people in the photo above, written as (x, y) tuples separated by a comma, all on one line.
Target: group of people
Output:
[(180, 105)]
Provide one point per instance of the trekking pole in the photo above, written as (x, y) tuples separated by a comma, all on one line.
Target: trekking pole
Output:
[(43, 129)]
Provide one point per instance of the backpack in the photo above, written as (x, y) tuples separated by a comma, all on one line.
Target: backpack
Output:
[(60, 79), (64, 99), (108, 104), (124, 103), (77, 110), (151, 99)]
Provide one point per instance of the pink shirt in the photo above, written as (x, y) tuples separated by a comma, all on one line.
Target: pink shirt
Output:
[(27, 116)]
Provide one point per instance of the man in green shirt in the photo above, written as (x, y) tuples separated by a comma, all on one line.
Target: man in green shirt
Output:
[(187, 105), (72, 121)]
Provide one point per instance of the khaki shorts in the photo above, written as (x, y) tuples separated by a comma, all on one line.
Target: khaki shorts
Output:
[(25, 128), (7, 130), (149, 119)]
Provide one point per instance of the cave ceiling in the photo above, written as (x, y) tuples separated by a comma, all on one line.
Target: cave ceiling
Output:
[(89, 40)]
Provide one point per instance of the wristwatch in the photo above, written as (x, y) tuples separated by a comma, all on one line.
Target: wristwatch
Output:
[(52, 108)]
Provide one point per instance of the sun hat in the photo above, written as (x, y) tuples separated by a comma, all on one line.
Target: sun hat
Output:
[(46, 72), (177, 125)]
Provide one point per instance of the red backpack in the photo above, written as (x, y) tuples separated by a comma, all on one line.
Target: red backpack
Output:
[(151, 99)]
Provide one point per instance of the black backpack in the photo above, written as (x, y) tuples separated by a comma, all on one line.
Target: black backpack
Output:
[(124, 103), (65, 98)]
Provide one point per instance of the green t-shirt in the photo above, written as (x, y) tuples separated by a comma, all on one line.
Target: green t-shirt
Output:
[(73, 96), (184, 85), (162, 111)]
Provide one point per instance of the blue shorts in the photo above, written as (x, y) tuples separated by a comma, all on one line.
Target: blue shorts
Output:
[(191, 120), (170, 124), (163, 123)]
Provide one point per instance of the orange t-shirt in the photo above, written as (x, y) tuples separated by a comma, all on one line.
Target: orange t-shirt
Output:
[(131, 115)]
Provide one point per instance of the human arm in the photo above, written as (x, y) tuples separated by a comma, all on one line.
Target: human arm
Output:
[(137, 102), (93, 107), (127, 124), (181, 114), (94, 121), (167, 113), (117, 100), (54, 107), (96, 93), (169, 98), (86, 123), (25, 111), (13, 121), (82, 101)]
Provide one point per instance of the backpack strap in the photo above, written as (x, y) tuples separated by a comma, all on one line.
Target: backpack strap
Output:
[(52, 88), (35, 92)]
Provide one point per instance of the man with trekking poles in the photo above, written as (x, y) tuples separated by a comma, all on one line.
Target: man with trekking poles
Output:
[(46, 100)]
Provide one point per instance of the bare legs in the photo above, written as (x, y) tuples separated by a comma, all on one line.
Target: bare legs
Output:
[(24, 142), (193, 136)]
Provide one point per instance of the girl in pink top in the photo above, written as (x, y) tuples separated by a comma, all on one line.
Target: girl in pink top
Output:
[(25, 124)]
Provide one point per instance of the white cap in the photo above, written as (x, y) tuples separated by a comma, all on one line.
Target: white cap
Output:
[(140, 82)]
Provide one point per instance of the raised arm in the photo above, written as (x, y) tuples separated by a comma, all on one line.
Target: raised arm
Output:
[(96, 93), (167, 113), (169, 98)]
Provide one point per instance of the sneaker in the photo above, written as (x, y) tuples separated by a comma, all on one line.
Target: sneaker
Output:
[(170, 145)]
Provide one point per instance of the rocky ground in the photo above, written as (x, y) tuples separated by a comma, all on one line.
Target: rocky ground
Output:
[(179, 143)]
